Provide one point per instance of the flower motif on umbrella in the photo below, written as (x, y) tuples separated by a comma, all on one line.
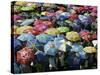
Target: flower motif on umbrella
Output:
[(25, 56)]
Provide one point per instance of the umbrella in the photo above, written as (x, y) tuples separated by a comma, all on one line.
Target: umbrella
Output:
[(85, 34), (25, 56), (21, 3), (79, 49), (44, 38), (72, 36), (48, 23), (17, 45), (90, 49), (16, 17), (32, 31), (30, 38), (44, 18), (43, 13), (52, 31), (63, 15), (21, 29), (50, 49), (17, 8), (40, 27), (27, 22), (63, 29), (27, 8), (40, 55)]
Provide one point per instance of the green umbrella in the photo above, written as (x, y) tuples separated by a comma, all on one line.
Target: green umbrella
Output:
[(27, 8), (63, 29)]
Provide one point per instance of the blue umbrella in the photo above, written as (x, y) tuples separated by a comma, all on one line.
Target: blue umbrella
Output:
[(30, 38), (40, 55), (58, 38), (27, 22), (17, 45), (50, 49), (44, 38), (79, 49), (44, 18)]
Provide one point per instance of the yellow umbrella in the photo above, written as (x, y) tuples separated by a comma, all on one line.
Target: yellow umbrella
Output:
[(72, 36), (90, 49), (21, 3), (52, 31), (20, 30), (43, 13)]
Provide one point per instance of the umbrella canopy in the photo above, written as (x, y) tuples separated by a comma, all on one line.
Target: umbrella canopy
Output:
[(27, 8), (72, 36), (27, 22), (29, 38), (33, 31), (63, 29), (50, 49), (21, 30), (41, 27), (44, 38), (21, 3), (17, 45), (90, 49), (25, 56), (40, 55), (79, 49), (85, 35), (52, 31)]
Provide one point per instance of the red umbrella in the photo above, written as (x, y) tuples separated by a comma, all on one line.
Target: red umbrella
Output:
[(25, 56), (33, 31), (85, 35)]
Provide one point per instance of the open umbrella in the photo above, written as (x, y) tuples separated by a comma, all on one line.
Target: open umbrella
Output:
[(40, 27), (30, 38), (40, 55), (17, 44), (50, 48), (52, 31), (25, 8), (79, 49), (73, 36), (63, 29), (44, 38), (25, 56), (85, 34), (27, 22), (90, 49), (32, 31), (21, 29), (21, 3)]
